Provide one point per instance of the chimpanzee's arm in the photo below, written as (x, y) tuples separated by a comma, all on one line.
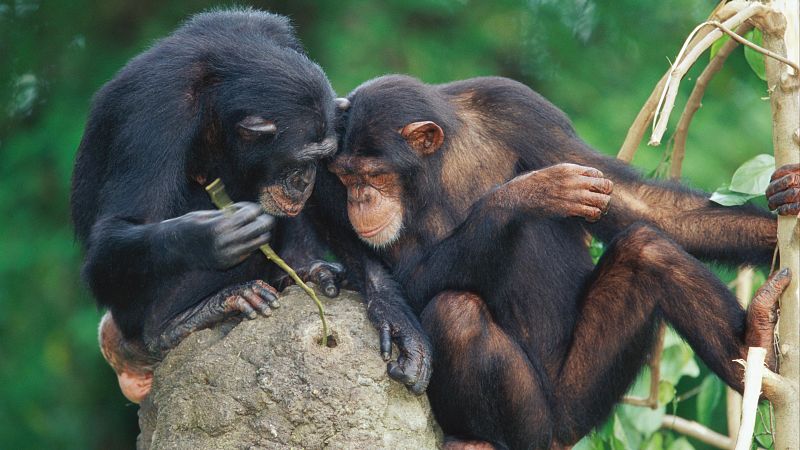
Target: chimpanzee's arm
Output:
[(387, 306), (738, 235), (125, 257)]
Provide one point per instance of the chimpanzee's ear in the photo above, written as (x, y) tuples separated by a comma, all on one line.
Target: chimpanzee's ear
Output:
[(424, 137)]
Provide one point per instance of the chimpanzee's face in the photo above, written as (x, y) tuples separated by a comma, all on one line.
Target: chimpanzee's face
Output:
[(276, 136)]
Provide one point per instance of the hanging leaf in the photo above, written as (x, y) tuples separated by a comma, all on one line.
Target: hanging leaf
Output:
[(725, 197), (754, 58), (753, 176), (708, 398), (717, 45)]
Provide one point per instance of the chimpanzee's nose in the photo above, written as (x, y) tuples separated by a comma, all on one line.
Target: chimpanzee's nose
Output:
[(302, 179)]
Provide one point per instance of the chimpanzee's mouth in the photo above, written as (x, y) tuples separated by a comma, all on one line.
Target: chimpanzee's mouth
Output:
[(374, 231), (275, 201)]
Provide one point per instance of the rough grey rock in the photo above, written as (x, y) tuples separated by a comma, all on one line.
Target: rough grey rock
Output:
[(268, 383)]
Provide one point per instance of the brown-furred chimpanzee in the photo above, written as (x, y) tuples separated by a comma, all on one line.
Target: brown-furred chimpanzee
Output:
[(479, 197), (230, 94)]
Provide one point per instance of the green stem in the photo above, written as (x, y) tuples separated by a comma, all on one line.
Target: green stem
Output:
[(222, 201)]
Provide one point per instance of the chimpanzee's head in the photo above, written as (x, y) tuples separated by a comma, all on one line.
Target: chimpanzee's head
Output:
[(230, 94), (265, 110), (391, 134)]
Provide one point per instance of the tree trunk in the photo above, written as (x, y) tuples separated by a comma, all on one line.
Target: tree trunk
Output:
[(781, 36)]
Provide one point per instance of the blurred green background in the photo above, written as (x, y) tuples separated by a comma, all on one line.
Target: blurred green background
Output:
[(597, 60)]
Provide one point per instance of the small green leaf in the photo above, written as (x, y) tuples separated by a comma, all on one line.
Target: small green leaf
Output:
[(726, 197), (708, 398), (666, 392), (754, 58), (717, 45), (753, 176)]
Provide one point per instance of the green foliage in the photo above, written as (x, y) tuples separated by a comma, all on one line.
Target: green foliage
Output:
[(598, 61), (755, 59), (748, 182)]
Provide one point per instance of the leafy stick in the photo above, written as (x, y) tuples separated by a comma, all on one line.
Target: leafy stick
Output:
[(222, 201)]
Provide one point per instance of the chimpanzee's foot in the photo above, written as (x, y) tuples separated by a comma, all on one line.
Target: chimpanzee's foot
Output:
[(131, 362), (762, 315), (246, 299), (452, 443)]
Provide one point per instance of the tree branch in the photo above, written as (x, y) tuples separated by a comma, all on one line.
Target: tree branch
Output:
[(696, 430), (694, 102)]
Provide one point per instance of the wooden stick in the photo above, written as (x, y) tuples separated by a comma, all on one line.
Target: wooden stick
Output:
[(752, 391), (696, 430), (222, 201)]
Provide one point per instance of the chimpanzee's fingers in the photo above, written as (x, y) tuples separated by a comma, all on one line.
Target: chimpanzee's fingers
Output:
[(423, 378), (789, 210), (598, 184), (257, 302), (385, 336), (785, 170), (261, 225), (787, 197), (327, 275), (775, 284), (398, 372), (270, 295), (245, 212), (590, 172), (590, 213), (783, 183), (242, 306)]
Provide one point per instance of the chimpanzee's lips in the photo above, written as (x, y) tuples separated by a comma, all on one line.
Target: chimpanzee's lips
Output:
[(290, 208), (374, 231)]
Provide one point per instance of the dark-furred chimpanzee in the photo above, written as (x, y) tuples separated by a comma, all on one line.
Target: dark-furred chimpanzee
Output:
[(479, 197), (230, 94)]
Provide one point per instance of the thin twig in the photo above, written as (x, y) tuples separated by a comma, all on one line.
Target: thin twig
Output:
[(639, 126), (694, 102), (696, 430), (651, 401), (683, 63), (755, 47)]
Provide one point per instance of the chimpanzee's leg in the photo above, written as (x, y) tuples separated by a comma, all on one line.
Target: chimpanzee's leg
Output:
[(643, 276), (483, 385), (132, 363)]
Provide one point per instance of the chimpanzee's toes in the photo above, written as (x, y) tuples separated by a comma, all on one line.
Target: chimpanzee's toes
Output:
[(762, 314), (135, 386)]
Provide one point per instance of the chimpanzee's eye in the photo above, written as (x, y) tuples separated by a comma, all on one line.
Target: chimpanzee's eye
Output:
[(253, 126), (380, 180)]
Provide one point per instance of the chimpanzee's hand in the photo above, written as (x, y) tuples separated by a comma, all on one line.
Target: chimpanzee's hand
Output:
[(218, 239), (783, 193), (413, 364), (326, 275), (563, 190)]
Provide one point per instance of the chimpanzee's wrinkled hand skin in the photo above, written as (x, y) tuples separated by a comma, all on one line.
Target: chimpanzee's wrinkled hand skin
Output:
[(562, 190), (218, 239), (783, 193), (327, 275), (415, 354)]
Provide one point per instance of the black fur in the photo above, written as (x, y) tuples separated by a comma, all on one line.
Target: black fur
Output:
[(508, 364), (167, 122)]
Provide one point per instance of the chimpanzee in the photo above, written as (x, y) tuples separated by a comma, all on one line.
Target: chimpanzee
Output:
[(479, 198), (230, 94)]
